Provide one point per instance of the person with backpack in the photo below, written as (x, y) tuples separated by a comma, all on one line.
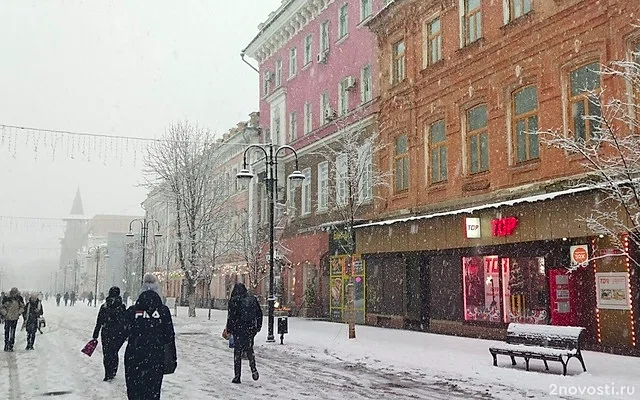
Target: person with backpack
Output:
[(151, 348), (244, 321), (112, 322)]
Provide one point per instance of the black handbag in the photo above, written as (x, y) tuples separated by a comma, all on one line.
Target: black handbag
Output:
[(170, 359)]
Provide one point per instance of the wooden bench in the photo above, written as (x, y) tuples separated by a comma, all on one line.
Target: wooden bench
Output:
[(542, 342)]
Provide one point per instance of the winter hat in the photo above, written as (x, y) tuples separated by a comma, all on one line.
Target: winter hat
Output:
[(114, 291), (14, 292), (33, 297), (150, 282)]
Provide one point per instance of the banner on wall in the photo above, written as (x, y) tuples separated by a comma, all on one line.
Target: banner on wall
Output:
[(612, 291), (340, 279)]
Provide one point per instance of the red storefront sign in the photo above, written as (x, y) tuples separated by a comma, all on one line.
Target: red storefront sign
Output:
[(504, 226)]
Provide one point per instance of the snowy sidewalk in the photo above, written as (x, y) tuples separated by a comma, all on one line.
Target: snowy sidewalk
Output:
[(316, 362)]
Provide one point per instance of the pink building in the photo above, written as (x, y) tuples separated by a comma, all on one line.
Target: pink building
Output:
[(316, 76)]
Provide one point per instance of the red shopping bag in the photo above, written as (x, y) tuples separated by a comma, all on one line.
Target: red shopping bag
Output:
[(90, 347)]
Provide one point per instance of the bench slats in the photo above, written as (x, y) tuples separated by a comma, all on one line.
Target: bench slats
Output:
[(524, 349)]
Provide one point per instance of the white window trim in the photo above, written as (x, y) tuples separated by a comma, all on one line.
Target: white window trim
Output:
[(324, 107), (362, 16), (323, 195), (308, 118), (365, 165), (343, 97), (343, 35), (305, 199), (322, 37), (293, 62), (363, 100), (310, 54), (341, 169)]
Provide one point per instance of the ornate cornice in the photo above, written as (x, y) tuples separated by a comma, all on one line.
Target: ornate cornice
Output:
[(283, 24)]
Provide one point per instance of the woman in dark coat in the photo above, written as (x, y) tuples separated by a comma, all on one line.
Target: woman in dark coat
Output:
[(32, 312), (244, 321), (112, 321), (151, 351)]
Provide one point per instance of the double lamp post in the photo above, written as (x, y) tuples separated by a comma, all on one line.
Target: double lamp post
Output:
[(144, 232), (100, 252), (271, 153)]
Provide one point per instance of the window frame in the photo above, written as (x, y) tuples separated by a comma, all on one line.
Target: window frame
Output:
[(476, 132), (366, 10), (325, 37), (512, 9), (401, 159), (398, 61), (428, 39), (582, 97), (525, 116), (440, 146), (291, 199), (293, 126), (266, 84), (278, 73), (305, 193), (343, 21), (293, 62), (323, 186), (366, 84), (365, 175), (343, 96), (308, 118), (325, 106), (342, 170), (308, 49), (467, 16)]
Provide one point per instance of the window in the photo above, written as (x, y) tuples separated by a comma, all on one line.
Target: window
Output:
[(308, 40), (291, 199), (234, 182), (477, 139), (341, 179), (366, 84), (402, 164), (306, 192), (635, 87), (343, 23), (522, 282), (343, 96), (308, 121), (582, 81), (325, 108), (432, 43), (472, 27), (293, 62), (266, 83), (525, 124), (324, 37), (365, 9), (398, 62), (293, 126), (278, 73), (438, 152), (365, 172), (323, 185), (518, 8)]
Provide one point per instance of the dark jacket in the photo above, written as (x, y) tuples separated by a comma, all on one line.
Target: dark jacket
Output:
[(150, 329), (244, 319), (111, 320), (32, 312)]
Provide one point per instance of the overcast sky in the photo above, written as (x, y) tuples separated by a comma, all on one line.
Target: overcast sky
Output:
[(126, 68)]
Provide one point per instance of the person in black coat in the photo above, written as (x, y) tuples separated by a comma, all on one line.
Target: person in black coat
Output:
[(244, 321), (32, 314), (151, 351), (112, 321)]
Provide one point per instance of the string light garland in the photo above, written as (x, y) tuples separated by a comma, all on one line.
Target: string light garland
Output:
[(628, 265), (593, 263)]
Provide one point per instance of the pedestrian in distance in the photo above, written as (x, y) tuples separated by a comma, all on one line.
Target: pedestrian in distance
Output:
[(2, 296), (58, 296), (66, 298), (244, 321), (32, 314), (111, 324), (101, 298), (90, 298), (151, 348), (11, 309), (72, 297)]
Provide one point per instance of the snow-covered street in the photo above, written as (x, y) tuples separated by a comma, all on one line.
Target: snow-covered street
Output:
[(316, 362)]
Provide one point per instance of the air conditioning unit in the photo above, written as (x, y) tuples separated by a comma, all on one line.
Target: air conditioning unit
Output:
[(351, 83), (322, 57), (330, 114), (268, 75)]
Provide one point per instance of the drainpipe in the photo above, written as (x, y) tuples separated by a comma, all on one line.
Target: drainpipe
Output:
[(246, 62)]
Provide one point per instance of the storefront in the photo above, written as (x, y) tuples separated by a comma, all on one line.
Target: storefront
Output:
[(471, 274)]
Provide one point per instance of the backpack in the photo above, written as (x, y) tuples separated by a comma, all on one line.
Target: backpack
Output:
[(248, 310)]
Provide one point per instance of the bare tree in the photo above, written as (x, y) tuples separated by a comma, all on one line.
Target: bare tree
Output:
[(351, 157), (250, 247), (610, 154), (182, 166)]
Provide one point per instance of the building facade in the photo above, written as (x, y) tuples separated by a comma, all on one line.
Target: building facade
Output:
[(316, 82), (483, 219)]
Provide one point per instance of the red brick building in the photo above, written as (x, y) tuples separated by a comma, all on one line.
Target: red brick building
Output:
[(461, 83)]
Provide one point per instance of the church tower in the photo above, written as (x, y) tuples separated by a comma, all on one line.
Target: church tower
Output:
[(75, 235)]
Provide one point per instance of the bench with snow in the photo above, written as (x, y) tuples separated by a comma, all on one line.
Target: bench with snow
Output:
[(542, 342)]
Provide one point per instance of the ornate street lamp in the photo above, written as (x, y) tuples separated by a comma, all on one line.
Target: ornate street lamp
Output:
[(144, 231)]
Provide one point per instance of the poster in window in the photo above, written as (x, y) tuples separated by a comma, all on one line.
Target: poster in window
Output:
[(612, 291), (337, 265)]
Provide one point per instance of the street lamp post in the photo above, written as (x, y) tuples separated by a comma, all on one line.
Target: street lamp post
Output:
[(144, 231), (271, 153), (97, 250)]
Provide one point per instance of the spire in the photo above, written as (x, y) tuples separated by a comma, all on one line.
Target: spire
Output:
[(76, 209)]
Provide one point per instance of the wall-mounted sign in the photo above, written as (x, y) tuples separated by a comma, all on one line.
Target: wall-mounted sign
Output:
[(472, 228), (504, 226), (612, 291), (579, 255)]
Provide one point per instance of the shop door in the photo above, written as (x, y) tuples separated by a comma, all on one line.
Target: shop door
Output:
[(563, 297), (417, 293)]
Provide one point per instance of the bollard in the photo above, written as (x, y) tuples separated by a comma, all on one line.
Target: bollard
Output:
[(283, 327)]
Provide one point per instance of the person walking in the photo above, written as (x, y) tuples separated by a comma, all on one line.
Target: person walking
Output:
[(90, 298), (151, 347), (244, 321), (58, 296), (66, 298), (2, 296), (11, 309), (101, 297), (32, 314), (112, 322), (72, 298)]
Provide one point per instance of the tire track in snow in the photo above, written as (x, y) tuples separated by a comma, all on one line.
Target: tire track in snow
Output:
[(15, 393)]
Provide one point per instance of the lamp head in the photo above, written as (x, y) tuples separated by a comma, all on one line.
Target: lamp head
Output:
[(296, 178), (244, 177), (158, 234), (129, 234)]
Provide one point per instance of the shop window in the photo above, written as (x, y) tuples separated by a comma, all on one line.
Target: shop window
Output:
[(500, 289), (583, 82)]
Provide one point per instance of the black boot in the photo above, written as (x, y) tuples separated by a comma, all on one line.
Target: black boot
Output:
[(236, 380)]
